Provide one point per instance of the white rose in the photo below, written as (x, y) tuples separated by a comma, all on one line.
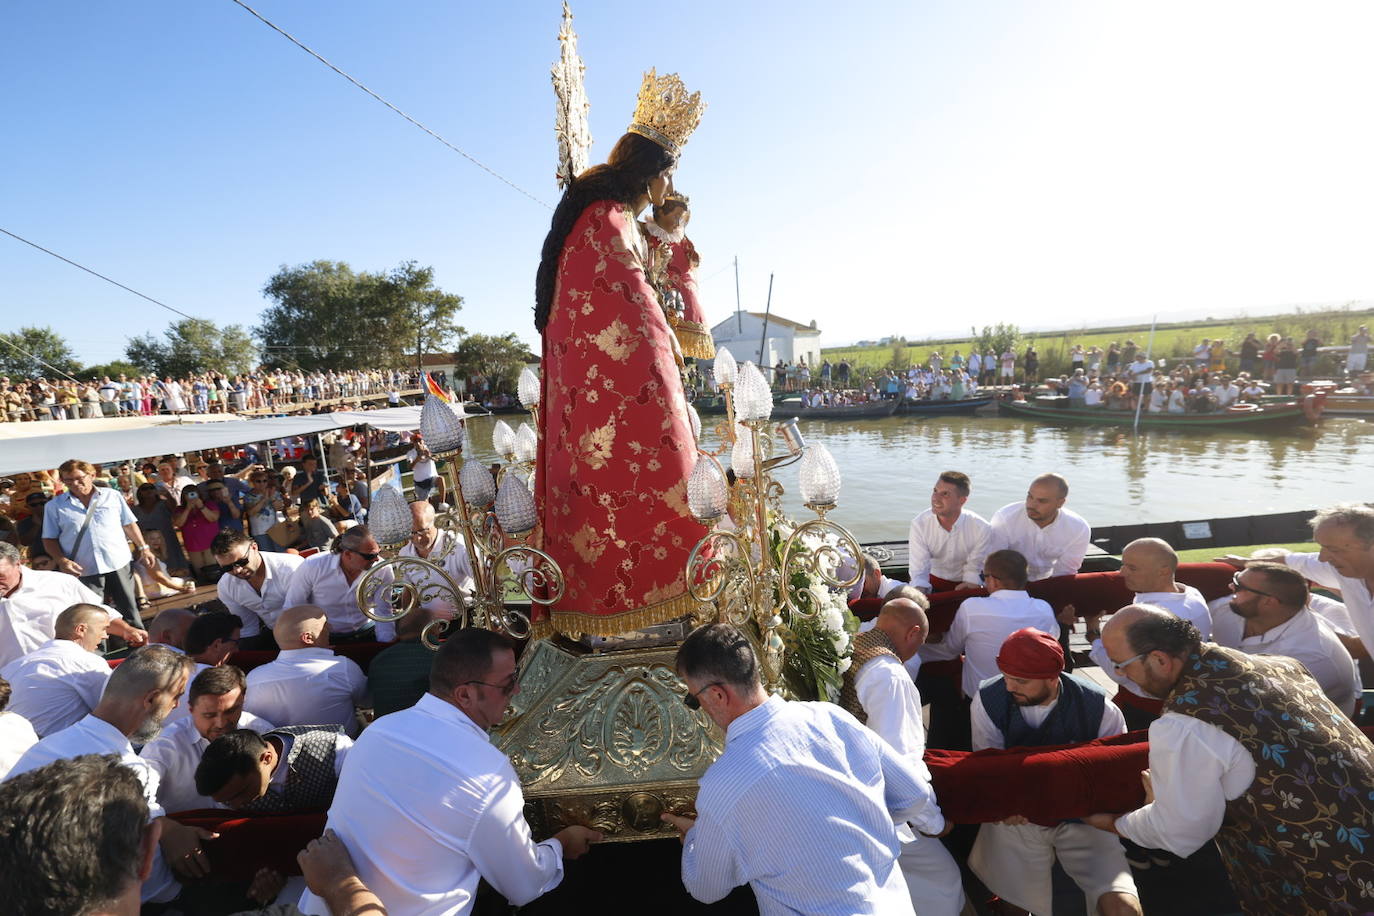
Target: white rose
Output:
[(841, 643), (833, 619), (844, 664)]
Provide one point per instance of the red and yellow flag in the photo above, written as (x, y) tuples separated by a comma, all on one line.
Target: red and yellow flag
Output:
[(432, 387)]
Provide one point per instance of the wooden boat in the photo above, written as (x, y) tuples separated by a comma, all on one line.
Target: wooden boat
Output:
[(963, 405), (1287, 415), (865, 411)]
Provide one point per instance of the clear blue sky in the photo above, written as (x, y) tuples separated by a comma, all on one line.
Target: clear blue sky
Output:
[(902, 167)]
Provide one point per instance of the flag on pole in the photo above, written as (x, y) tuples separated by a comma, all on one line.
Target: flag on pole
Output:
[(432, 387)]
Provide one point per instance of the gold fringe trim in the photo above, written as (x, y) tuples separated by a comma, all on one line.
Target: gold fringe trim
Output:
[(695, 340), (575, 623)]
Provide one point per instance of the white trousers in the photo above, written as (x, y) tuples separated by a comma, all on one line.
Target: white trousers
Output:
[(932, 877), (1015, 863)]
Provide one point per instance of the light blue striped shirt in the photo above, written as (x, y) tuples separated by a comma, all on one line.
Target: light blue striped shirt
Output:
[(802, 806), (105, 548)]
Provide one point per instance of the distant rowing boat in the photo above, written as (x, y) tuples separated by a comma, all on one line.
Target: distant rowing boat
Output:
[(1278, 415), (865, 411), (963, 405)]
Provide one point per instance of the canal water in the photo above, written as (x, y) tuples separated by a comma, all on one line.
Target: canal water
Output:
[(1115, 477)]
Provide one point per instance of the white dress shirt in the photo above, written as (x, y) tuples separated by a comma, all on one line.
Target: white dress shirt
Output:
[(892, 705), (29, 613), (980, 627), (1359, 602), (256, 609), (838, 788), (456, 564), (1055, 550), (1195, 768), (986, 734), (96, 736), (57, 685), (1334, 612), (956, 555), (1304, 637), (422, 843), (320, 581), (105, 546), (1187, 603), (16, 737), (174, 755), (308, 687)]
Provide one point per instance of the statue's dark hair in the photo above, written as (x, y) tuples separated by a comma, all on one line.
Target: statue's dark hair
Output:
[(622, 178)]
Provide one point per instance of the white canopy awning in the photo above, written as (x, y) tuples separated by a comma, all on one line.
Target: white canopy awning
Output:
[(24, 449)]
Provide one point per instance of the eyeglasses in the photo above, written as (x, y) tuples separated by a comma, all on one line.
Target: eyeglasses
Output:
[(507, 687), (68, 481), (240, 563), (1118, 667), (371, 557), (1238, 586), (692, 700)]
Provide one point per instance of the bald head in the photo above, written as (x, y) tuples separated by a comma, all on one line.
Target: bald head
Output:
[(904, 621), (1149, 565), (421, 514), (170, 626), (302, 627), (75, 616), (1155, 642)]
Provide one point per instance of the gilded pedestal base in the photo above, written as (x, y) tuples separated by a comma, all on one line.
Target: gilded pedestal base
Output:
[(602, 739)]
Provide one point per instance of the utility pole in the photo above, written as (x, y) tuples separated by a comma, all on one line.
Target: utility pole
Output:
[(767, 309), (739, 314)]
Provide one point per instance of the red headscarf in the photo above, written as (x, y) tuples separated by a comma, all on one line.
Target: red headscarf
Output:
[(1031, 654)]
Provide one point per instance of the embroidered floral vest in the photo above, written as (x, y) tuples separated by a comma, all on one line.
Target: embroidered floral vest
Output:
[(1298, 840), (867, 646), (310, 779)]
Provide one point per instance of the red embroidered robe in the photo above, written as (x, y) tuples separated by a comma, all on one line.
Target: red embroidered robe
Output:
[(616, 446)]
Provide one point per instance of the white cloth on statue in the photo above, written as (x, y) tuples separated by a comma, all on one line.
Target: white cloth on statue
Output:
[(838, 787), (96, 736), (28, 614), (175, 753), (956, 555), (980, 627), (1187, 603), (1195, 769), (57, 685), (320, 581), (1355, 593), (893, 706), (260, 610), (1306, 638), (16, 737), (422, 843), (1057, 549), (308, 687), (455, 563), (1015, 860)]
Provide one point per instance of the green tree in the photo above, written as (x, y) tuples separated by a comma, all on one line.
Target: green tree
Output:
[(114, 369), (194, 345), (327, 316), (499, 358), (36, 353), (998, 338)]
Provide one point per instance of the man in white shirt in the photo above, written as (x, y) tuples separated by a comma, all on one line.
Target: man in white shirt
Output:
[(137, 698), (946, 544), (1267, 614), (30, 601), (1035, 704), (1148, 567), (59, 684), (1142, 371), (307, 684), (1053, 539), (838, 787), (879, 692), (425, 853), (424, 471), (1227, 392), (253, 585), (327, 580), (216, 698), (428, 542), (16, 734)]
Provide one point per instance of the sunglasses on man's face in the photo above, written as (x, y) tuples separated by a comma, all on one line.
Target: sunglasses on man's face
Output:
[(240, 563), (369, 557)]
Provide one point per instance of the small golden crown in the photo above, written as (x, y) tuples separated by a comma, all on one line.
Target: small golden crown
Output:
[(665, 113)]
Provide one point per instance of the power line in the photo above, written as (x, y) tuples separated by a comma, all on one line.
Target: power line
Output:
[(475, 161), (95, 273), (6, 339)]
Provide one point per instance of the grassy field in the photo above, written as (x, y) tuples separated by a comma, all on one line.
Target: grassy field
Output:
[(1208, 554), (1171, 341)]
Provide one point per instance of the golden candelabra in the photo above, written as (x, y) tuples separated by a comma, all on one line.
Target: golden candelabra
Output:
[(750, 567), (493, 522)]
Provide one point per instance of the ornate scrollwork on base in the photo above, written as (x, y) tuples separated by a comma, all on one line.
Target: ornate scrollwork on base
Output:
[(387, 585), (816, 548)]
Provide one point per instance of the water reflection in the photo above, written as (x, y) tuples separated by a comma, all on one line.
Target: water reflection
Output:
[(1115, 478)]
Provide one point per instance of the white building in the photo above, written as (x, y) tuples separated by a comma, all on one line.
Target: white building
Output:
[(785, 339)]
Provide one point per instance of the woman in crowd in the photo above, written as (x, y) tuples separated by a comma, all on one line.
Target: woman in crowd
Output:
[(198, 524)]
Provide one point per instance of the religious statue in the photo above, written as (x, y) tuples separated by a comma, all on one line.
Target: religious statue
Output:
[(675, 261)]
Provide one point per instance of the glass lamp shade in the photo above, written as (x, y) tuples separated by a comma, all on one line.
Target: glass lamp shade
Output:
[(526, 443), (389, 517), (479, 489), (694, 421), (503, 439), (753, 399), (820, 477), (440, 425), (515, 506), (742, 455), (706, 492), (726, 368), (528, 388)]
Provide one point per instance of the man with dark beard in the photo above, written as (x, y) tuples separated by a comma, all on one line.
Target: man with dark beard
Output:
[(140, 694)]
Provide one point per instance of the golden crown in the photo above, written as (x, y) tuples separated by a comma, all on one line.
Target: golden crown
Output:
[(665, 113)]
